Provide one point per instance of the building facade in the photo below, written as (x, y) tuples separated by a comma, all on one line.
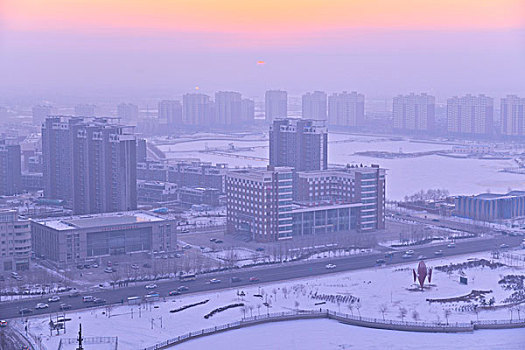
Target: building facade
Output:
[(491, 206), (513, 116), (10, 167), (414, 112), (128, 111), (314, 105), (69, 240), (15, 242), (40, 113), (275, 105), (470, 115), (90, 164), (299, 143), (197, 110), (346, 109), (171, 111), (85, 110), (228, 108)]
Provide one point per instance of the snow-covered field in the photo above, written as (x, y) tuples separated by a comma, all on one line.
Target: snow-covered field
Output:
[(331, 335), (405, 175), (378, 292)]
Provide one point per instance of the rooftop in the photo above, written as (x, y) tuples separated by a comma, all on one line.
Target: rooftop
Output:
[(98, 220)]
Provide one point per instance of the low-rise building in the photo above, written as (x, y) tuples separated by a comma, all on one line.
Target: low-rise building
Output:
[(156, 191), (199, 195), (65, 240), (15, 241), (491, 206)]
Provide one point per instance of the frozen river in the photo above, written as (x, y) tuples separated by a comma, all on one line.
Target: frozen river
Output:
[(405, 175)]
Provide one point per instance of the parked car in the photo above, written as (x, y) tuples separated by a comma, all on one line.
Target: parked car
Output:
[(215, 281), (183, 289), (330, 266), (95, 266), (218, 241), (54, 299), (254, 279), (3, 323), (151, 286), (135, 266), (213, 239), (108, 270), (146, 265), (40, 306), (65, 307), (259, 249)]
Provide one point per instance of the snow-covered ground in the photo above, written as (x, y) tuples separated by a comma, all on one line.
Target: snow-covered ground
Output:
[(331, 335), (378, 292)]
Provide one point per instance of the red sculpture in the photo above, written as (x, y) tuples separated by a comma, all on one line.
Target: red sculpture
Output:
[(422, 273)]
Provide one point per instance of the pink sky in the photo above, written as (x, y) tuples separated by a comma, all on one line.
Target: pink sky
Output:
[(415, 44)]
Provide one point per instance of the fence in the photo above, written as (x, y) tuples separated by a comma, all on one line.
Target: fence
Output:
[(347, 319), (88, 340)]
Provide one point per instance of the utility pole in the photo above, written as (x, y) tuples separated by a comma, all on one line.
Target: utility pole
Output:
[(80, 339)]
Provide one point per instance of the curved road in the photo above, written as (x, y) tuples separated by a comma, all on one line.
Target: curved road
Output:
[(267, 274)]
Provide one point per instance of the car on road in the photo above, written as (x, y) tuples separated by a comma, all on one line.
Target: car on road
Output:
[(151, 286), (421, 257), (74, 294), (213, 239), (80, 267), (99, 301), (438, 252), (215, 281), (41, 306), (65, 307), (236, 279), (88, 299), (389, 254), (254, 279), (406, 256), (259, 249), (183, 289), (330, 266), (25, 311), (409, 252), (134, 266), (218, 241), (173, 293), (184, 230), (54, 299), (380, 261), (451, 245), (3, 323), (503, 246), (95, 266)]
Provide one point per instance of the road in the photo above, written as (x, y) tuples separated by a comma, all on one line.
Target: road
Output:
[(267, 274)]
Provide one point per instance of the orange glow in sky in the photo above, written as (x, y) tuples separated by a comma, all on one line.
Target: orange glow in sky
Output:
[(259, 18)]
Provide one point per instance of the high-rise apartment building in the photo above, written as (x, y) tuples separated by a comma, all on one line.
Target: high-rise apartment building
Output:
[(513, 116), (346, 109), (414, 112), (40, 113), (85, 110), (470, 115), (197, 109), (90, 164), (276, 105), (10, 167), (127, 112), (15, 242), (259, 203), (299, 143), (171, 111), (247, 110), (314, 105), (228, 108)]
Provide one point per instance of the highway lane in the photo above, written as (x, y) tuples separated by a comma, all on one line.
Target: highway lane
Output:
[(282, 272)]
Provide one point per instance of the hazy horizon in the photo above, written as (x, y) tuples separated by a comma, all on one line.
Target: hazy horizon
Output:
[(132, 50)]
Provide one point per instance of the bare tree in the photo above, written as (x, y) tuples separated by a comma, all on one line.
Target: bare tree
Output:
[(351, 308), (447, 313), (250, 307), (383, 309), (259, 309), (415, 315), (402, 313), (358, 307), (296, 303), (274, 292)]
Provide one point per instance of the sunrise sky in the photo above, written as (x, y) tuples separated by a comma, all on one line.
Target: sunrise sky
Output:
[(169, 45)]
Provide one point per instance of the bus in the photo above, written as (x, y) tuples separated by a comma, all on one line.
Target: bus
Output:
[(134, 300), (152, 297), (187, 277)]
